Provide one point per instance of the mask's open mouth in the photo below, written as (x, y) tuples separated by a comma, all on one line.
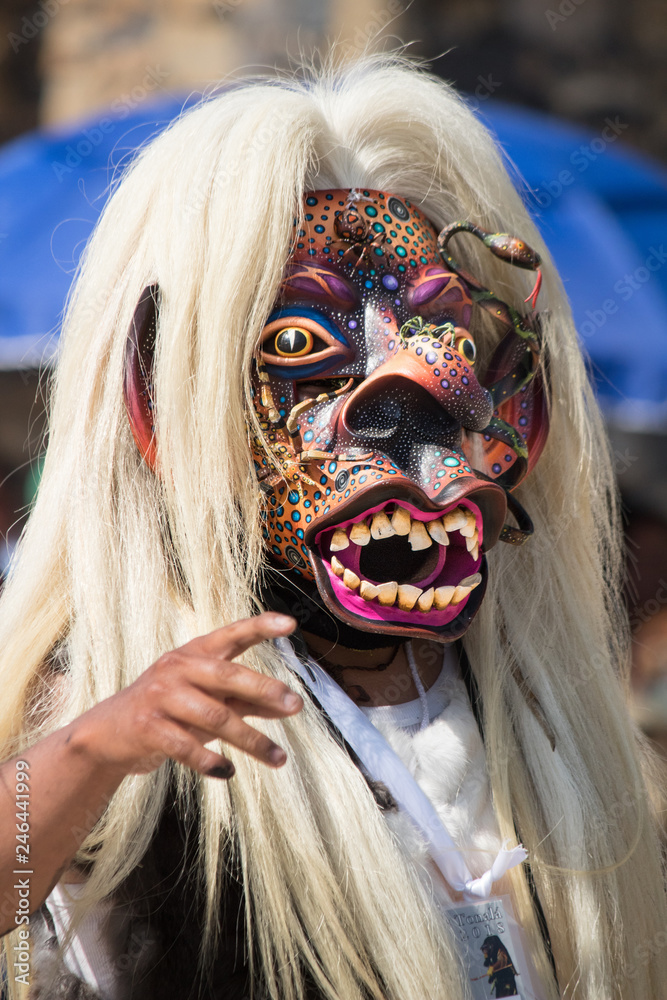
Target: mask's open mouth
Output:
[(396, 563)]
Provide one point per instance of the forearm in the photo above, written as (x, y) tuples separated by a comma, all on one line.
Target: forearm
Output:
[(52, 796)]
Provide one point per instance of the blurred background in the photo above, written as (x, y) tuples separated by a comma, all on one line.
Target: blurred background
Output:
[(574, 89)]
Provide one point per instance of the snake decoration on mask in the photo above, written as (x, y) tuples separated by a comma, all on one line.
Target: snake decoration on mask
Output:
[(386, 460)]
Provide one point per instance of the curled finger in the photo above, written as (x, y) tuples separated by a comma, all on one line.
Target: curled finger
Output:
[(199, 711), (236, 682), (182, 746)]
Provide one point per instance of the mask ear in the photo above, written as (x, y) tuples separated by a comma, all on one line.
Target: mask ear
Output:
[(516, 378), (515, 437), (138, 374)]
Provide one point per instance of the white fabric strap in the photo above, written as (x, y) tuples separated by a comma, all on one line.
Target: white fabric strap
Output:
[(412, 663), (383, 764), (76, 959)]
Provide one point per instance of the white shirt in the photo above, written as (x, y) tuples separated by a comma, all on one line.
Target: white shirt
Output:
[(447, 760)]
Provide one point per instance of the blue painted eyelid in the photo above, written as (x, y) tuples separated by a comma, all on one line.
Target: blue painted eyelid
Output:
[(310, 314), (303, 371)]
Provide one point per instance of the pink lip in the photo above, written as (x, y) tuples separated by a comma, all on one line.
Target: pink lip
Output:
[(454, 564)]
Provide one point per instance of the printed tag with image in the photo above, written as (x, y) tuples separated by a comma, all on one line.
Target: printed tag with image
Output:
[(491, 946)]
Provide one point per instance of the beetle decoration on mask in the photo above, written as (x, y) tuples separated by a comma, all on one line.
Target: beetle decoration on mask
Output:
[(387, 464)]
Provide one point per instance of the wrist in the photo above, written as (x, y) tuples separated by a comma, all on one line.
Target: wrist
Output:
[(89, 748)]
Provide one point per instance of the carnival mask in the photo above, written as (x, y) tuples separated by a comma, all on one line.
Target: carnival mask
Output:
[(387, 461)]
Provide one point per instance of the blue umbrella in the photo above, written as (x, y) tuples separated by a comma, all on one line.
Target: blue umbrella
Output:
[(601, 209), (603, 213), (53, 186)]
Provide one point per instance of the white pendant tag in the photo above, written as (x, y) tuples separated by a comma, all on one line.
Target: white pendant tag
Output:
[(491, 947)]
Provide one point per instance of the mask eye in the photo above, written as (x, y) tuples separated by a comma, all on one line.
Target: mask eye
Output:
[(301, 342), (293, 342), (466, 347)]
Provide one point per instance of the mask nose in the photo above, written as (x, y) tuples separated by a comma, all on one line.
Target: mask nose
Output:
[(393, 410), (424, 393)]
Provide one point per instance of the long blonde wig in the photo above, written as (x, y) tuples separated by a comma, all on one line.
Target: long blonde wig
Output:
[(120, 565)]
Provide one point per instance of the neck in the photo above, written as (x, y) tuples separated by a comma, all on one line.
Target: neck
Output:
[(379, 676), (342, 656)]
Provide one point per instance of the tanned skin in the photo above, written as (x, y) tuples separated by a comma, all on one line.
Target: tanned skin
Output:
[(188, 697), (384, 677)]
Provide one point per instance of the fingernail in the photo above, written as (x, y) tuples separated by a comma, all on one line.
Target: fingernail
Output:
[(277, 756), (291, 701), (222, 771), (282, 622)]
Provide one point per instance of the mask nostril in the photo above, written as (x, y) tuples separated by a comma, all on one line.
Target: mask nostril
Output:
[(378, 417), (432, 426)]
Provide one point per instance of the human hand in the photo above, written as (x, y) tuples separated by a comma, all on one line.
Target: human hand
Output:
[(188, 697)]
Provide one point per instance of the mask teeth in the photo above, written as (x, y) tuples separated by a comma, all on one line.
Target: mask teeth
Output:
[(405, 596), (421, 535)]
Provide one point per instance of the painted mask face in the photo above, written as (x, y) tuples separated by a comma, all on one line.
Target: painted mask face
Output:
[(389, 461)]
